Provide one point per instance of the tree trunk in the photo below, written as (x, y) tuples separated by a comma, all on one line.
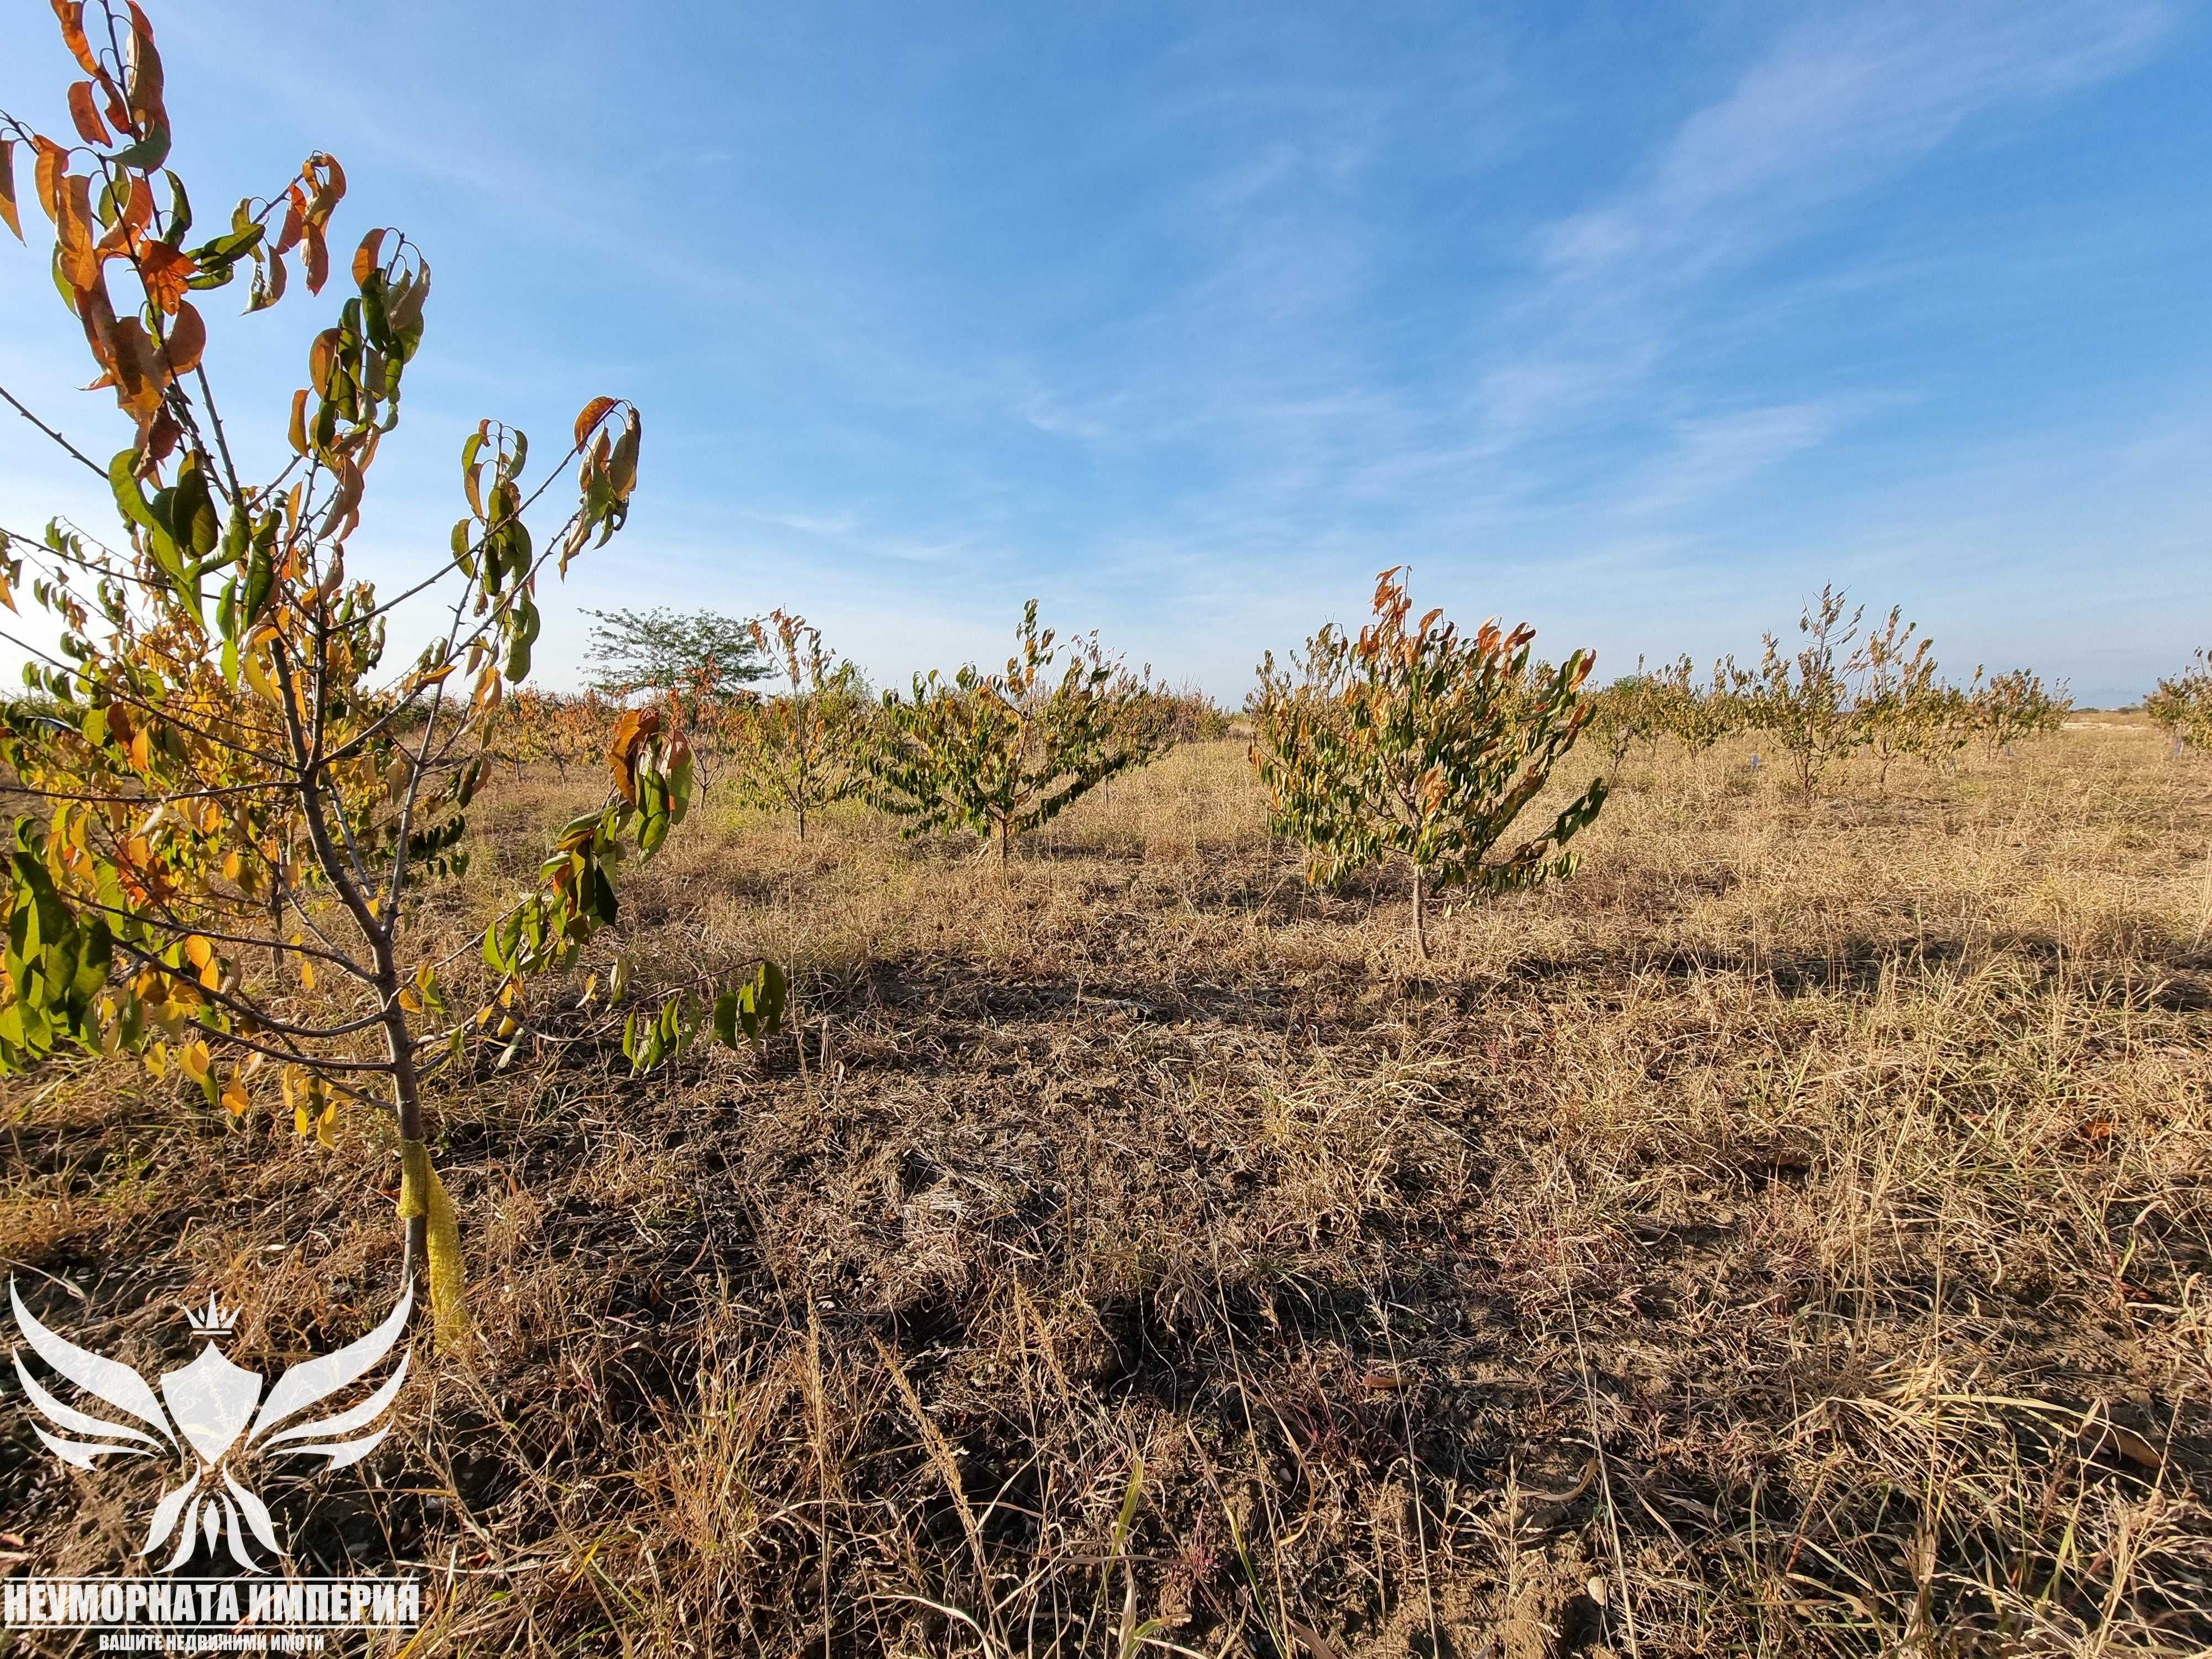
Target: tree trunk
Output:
[(802, 823), (1420, 913), (407, 1100)]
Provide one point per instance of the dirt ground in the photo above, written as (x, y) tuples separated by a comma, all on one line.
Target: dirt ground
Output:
[(1793, 1236)]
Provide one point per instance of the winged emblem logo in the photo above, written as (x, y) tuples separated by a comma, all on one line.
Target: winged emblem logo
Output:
[(213, 1416)]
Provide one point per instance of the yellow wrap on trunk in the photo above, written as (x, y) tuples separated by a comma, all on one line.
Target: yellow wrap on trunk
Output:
[(420, 1193)]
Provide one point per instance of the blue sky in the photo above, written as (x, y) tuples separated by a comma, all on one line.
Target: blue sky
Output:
[(1636, 321)]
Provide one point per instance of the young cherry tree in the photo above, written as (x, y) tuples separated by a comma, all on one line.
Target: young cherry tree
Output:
[(2182, 705), (1415, 743), (2018, 705), (551, 727), (1631, 711), (236, 813), (1900, 706), (1806, 698), (802, 750), (1002, 754)]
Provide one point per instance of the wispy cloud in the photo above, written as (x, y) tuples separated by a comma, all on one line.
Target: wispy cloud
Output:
[(1838, 105), (1842, 100), (1708, 455)]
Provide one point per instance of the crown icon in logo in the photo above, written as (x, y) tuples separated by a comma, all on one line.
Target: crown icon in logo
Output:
[(215, 1322)]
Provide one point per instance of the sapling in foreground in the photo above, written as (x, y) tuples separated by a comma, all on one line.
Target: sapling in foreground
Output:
[(236, 811)]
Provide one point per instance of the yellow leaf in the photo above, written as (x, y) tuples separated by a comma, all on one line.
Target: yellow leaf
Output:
[(235, 1098), (422, 1194), (307, 973), (326, 1127), (193, 1058), (257, 676)]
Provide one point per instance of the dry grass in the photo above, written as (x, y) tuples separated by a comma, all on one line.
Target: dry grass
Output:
[(1790, 1237)]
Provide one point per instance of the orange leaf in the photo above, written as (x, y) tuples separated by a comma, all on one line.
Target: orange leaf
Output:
[(632, 731), (8, 214), (140, 374), (594, 413), (368, 256), (71, 14), (97, 312), (167, 271), (158, 440), (268, 283), (137, 204), (146, 80), (295, 220), (345, 503), (90, 127), (317, 256), (53, 160), (321, 356), (329, 180), (187, 341), (80, 256)]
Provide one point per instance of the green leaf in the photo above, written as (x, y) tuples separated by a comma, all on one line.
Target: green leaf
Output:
[(122, 479), (181, 210), (131, 501), (216, 256), (523, 623), (149, 153), (191, 513), (761, 1003), (261, 568)]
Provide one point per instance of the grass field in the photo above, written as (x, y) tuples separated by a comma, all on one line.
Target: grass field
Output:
[(1793, 1236)]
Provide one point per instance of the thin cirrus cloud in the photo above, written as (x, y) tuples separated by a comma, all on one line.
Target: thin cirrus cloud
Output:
[(1837, 107), (1839, 101), (1710, 455)]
